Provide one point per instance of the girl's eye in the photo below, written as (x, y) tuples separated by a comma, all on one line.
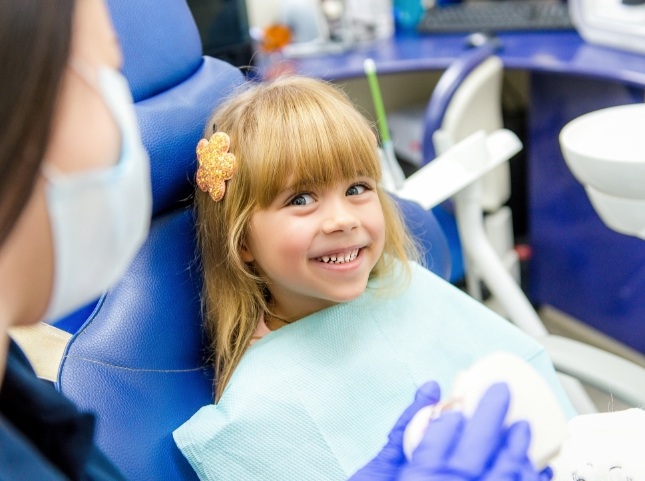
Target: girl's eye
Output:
[(357, 189), (301, 199)]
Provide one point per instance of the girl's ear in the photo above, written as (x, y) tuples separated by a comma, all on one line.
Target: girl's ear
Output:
[(245, 253)]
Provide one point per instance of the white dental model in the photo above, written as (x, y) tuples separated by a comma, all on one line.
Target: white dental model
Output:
[(531, 400)]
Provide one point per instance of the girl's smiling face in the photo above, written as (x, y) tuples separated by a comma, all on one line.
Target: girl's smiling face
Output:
[(317, 246)]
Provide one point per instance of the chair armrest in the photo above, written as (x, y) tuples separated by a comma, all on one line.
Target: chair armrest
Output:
[(44, 346), (600, 369), (460, 166)]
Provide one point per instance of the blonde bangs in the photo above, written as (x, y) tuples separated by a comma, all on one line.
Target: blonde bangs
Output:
[(314, 137), (321, 162)]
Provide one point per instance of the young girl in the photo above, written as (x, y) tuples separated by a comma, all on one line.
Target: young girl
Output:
[(286, 168), (322, 324)]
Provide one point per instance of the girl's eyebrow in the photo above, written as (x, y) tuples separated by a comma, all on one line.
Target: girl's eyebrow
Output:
[(311, 185), (286, 192), (298, 186)]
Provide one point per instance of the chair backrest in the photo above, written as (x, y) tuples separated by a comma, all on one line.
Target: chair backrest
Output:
[(426, 230), (138, 362), (467, 98)]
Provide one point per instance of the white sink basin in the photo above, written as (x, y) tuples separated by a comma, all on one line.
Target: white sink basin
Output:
[(606, 150)]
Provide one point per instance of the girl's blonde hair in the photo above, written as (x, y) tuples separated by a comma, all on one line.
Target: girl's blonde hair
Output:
[(291, 128)]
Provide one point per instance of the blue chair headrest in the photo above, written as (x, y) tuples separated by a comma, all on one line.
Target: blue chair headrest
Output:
[(172, 123), (160, 42), (175, 88)]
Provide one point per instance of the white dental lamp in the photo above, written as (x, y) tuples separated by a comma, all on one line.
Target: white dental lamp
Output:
[(605, 150)]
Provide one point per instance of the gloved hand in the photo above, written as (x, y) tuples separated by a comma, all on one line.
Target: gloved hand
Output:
[(387, 464), (456, 448)]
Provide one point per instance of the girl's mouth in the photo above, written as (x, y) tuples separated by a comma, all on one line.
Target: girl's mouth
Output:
[(340, 257)]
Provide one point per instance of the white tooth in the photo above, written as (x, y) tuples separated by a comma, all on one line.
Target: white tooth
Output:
[(348, 257), (333, 258), (325, 259)]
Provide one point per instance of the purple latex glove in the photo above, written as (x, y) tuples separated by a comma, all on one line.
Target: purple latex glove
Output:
[(456, 448), (387, 464)]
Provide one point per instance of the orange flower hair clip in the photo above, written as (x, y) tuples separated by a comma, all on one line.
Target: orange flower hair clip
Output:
[(216, 165)]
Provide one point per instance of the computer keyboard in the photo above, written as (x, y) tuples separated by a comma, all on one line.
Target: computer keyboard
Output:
[(496, 16)]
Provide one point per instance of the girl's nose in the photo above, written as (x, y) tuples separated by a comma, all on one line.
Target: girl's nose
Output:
[(339, 218)]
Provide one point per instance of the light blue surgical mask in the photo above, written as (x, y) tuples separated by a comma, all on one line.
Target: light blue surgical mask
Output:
[(99, 218)]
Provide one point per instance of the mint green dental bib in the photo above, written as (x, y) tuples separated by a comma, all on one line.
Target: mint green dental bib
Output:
[(316, 400)]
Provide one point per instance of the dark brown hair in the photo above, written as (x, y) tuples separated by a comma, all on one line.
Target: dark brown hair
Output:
[(35, 38)]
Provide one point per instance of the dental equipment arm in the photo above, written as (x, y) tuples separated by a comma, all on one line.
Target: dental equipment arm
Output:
[(455, 174)]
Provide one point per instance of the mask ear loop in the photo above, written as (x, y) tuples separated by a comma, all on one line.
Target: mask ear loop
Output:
[(89, 76), (49, 171)]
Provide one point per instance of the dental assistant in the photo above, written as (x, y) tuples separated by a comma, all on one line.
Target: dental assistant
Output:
[(75, 205)]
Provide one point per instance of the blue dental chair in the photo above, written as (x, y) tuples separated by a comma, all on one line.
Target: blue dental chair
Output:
[(139, 360)]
